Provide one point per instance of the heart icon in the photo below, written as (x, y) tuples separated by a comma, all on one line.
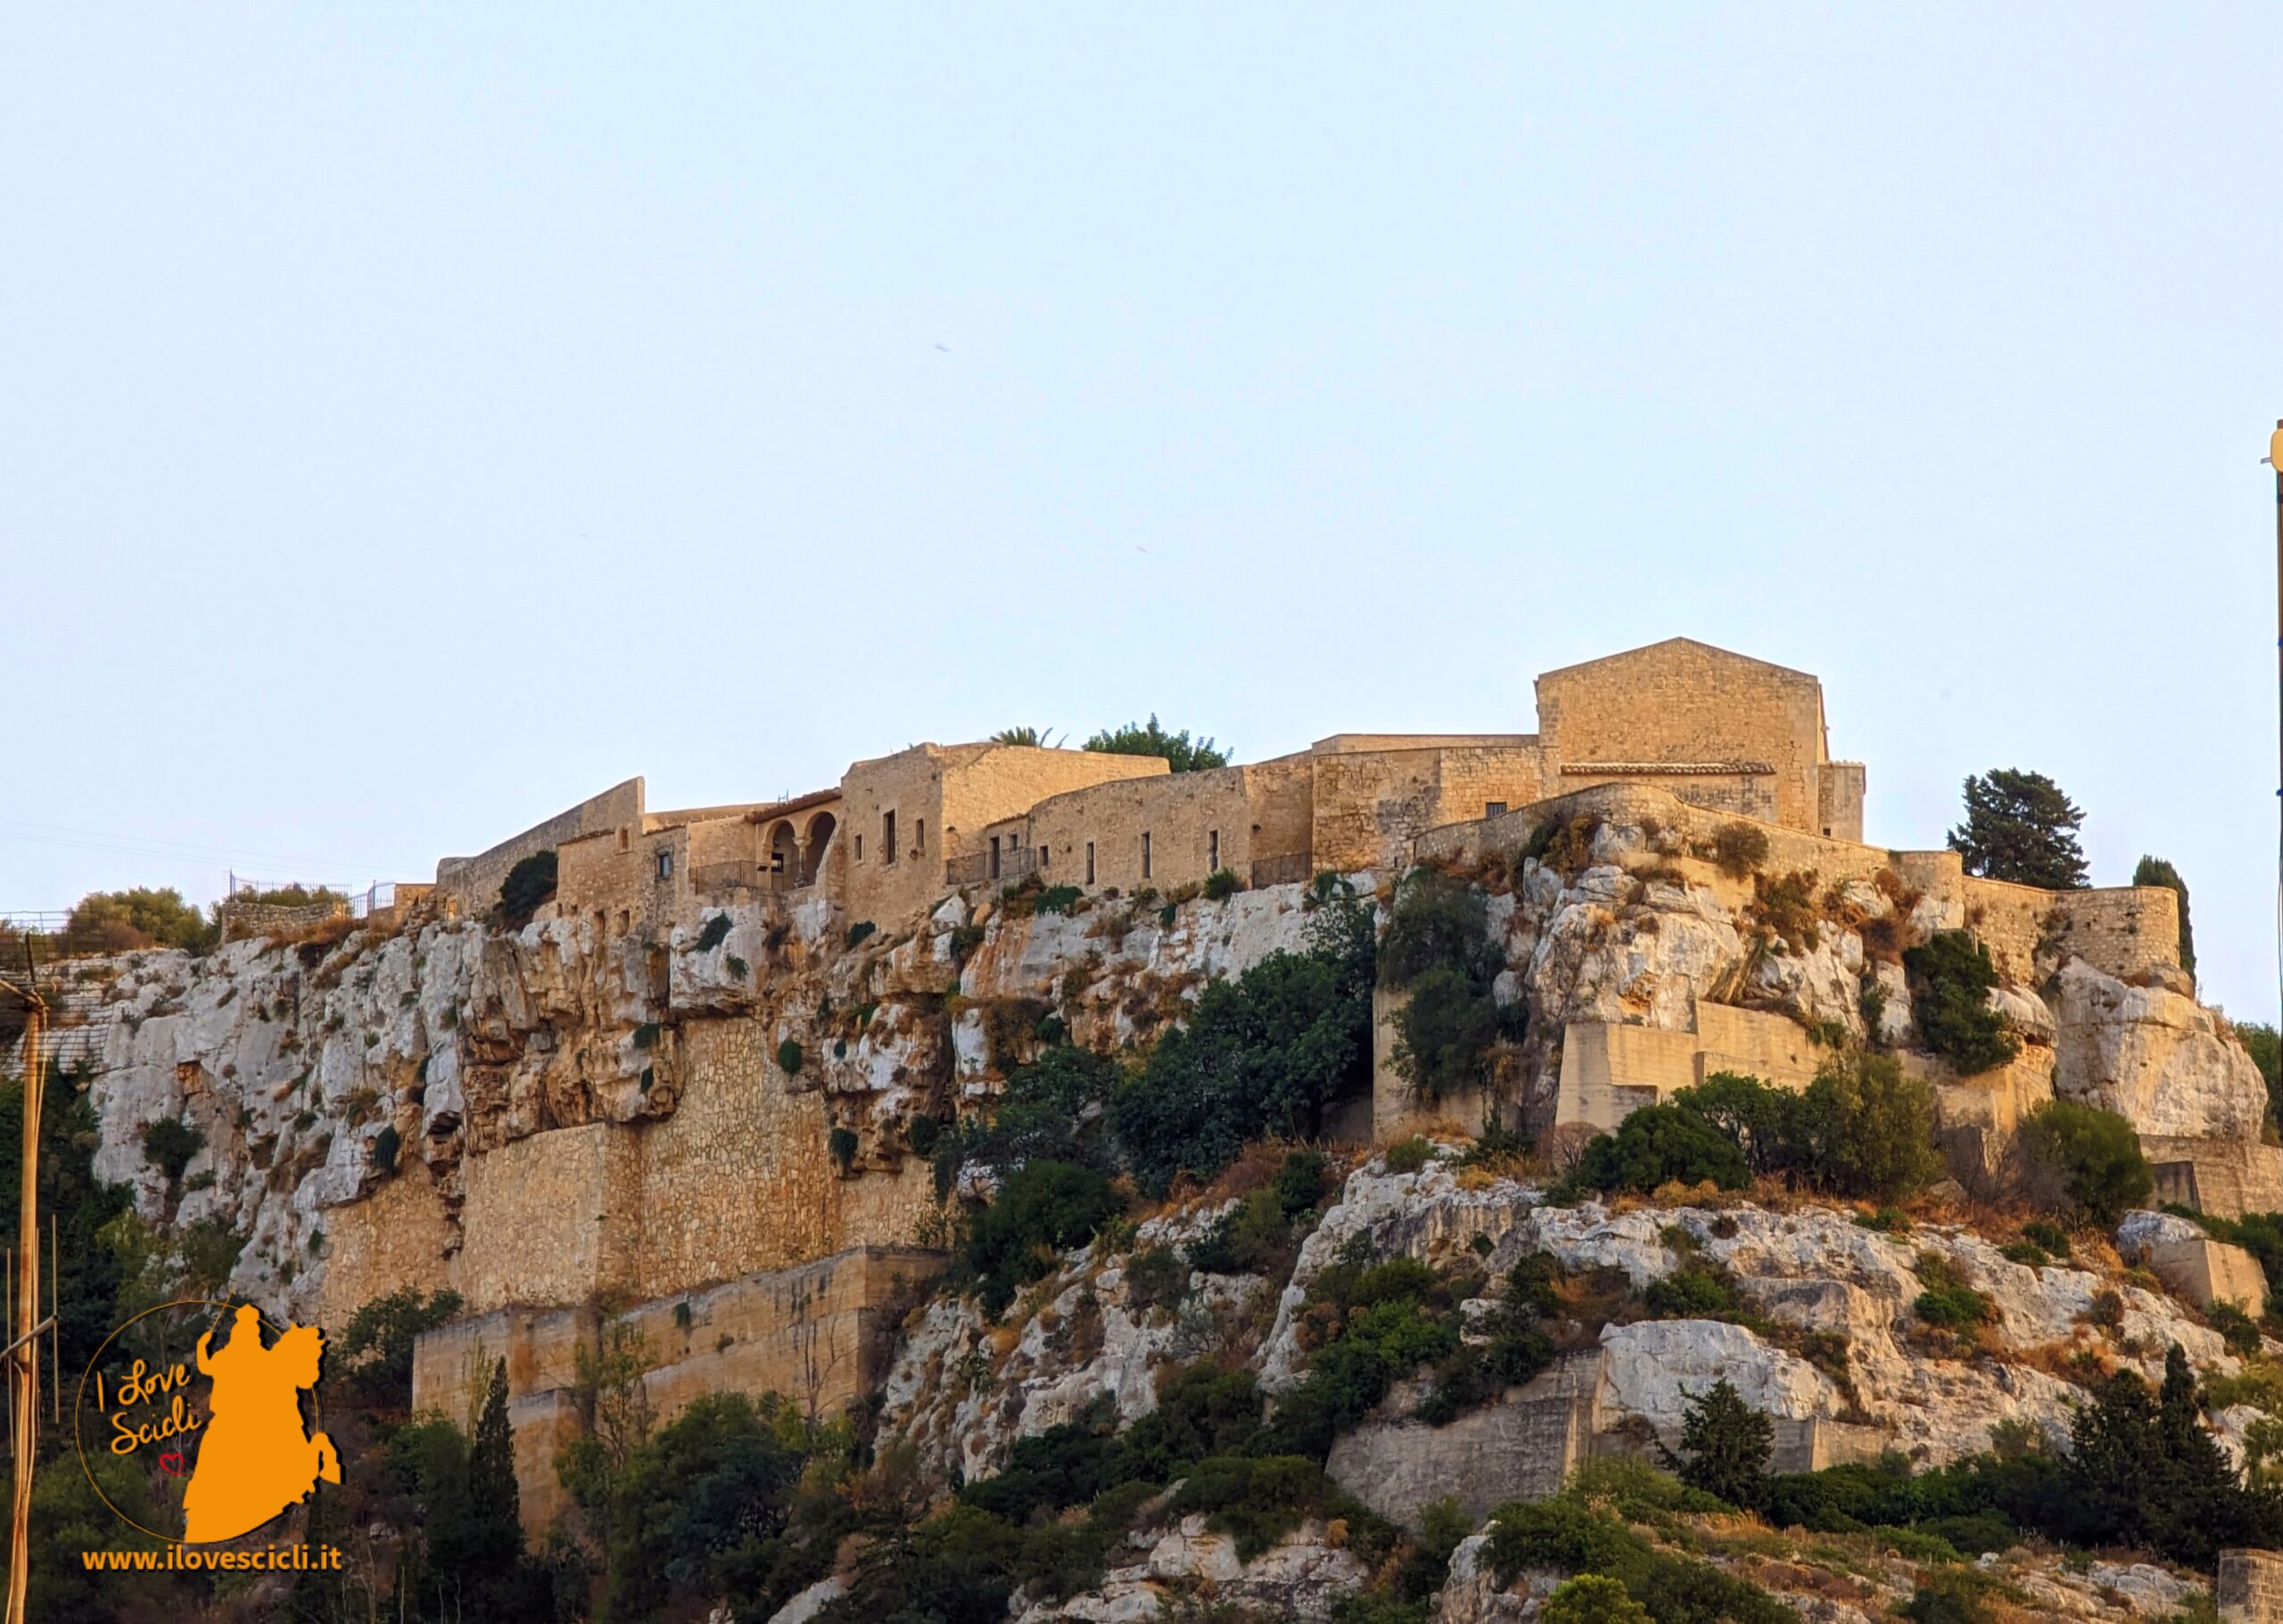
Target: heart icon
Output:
[(171, 1463)]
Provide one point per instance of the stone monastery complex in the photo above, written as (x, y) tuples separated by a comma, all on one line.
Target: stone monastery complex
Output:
[(1716, 729), (691, 1098)]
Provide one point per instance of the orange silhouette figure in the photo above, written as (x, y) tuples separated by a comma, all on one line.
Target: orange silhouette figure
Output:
[(258, 1456)]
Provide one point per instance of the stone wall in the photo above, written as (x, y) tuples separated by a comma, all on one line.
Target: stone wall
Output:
[(943, 798), (1224, 817), (817, 1334), (1610, 1070), (472, 883), (2250, 1590), (1370, 805), (1685, 702)]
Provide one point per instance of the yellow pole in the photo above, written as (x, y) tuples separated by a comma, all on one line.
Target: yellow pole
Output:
[(24, 1370)]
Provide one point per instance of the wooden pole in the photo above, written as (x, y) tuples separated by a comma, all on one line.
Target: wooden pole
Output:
[(24, 1360)]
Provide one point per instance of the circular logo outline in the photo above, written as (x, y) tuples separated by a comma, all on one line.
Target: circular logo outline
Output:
[(79, 1405)]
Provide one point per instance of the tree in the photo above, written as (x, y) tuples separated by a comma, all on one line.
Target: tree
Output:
[(1593, 1598), (1140, 739), (1951, 975), (1438, 950), (1659, 1144), (119, 921), (2142, 1471), (1724, 1445), (1039, 1211), (1869, 1128), (376, 1348), (2084, 1161), (2265, 1047), (2156, 872), (2019, 827)]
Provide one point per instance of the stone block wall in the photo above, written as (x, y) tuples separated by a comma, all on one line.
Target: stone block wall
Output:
[(2226, 1177), (472, 883), (819, 1334), (2207, 1271), (2250, 1590), (1610, 1070), (1681, 701)]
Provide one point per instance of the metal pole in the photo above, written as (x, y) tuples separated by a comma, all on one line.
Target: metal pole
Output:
[(24, 1360)]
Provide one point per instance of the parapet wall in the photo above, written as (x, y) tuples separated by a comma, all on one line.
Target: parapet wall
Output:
[(473, 883)]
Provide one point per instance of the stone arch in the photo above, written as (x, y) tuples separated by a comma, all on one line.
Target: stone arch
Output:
[(820, 828), (783, 851)]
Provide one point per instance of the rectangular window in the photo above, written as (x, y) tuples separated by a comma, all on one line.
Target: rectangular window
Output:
[(1145, 854), (1045, 851), (1213, 851), (1493, 809), (888, 836), (665, 865), (859, 848), (1090, 862), (995, 856), (919, 836)]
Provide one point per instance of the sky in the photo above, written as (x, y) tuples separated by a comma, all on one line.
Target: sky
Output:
[(414, 419)]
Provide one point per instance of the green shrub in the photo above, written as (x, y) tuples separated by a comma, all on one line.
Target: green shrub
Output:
[(712, 934), (789, 1057), (1222, 883), (1739, 847), (117, 921), (1948, 1300), (859, 930), (1659, 1144), (2051, 1236), (1951, 980), (1593, 1598), (169, 1143), (1267, 1055), (2237, 1329), (737, 967), (529, 885), (1409, 1155), (646, 1035), (1870, 1128), (1697, 1291), (2084, 1162), (1057, 899), (1156, 1278), (1257, 1502), (1042, 1210), (841, 1145), (2265, 1047), (1181, 753)]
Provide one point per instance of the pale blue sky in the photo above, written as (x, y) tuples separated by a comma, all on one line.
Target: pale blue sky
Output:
[(415, 418)]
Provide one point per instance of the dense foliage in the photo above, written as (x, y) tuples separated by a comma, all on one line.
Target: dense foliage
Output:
[(1951, 975), (1042, 1210), (1438, 950), (2083, 1162), (2019, 827), (1862, 1128), (2157, 871), (528, 884), (1181, 753), (117, 921)]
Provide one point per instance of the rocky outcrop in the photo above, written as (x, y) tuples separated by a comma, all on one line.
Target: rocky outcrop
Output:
[(2153, 1055)]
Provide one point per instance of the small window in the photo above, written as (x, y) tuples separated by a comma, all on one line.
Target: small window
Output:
[(919, 836), (888, 836), (1493, 809), (1090, 862), (665, 865), (1145, 854), (621, 837), (1213, 851), (995, 856), (625, 922), (859, 848), (1045, 851)]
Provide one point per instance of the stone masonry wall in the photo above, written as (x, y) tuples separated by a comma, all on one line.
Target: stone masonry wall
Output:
[(473, 883), (1682, 701), (2251, 1587)]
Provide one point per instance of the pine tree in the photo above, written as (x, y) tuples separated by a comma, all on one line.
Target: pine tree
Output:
[(2019, 827), (1725, 1446)]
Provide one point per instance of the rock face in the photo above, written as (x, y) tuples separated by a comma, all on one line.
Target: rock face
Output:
[(2153, 1055)]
